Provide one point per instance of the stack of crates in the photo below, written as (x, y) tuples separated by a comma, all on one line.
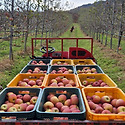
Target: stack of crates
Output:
[(78, 78)]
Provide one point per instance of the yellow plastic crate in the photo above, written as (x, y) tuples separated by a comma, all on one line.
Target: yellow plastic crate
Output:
[(53, 76), (61, 62), (114, 92), (20, 77), (83, 62), (95, 77)]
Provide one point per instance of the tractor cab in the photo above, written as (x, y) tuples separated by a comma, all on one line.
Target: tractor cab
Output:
[(73, 53)]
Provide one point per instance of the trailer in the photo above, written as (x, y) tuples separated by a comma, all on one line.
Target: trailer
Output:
[(79, 55)]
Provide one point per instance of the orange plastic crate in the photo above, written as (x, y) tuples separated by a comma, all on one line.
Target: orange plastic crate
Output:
[(62, 61), (20, 77), (114, 92), (83, 62), (95, 77), (49, 77)]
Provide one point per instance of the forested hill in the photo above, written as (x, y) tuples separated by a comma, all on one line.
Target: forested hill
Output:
[(85, 6)]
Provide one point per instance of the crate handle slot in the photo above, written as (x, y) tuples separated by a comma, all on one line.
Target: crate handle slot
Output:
[(24, 92), (60, 118), (90, 77), (61, 92), (32, 77)]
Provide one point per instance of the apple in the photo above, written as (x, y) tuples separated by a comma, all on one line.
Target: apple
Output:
[(55, 109), (54, 99), (48, 105), (48, 110), (22, 107), (121, 113), (26, 80), (67, 102), (74, 100), (18, 101), (65, 81), (60, 84), (54, 84), (49, 96), (85, 83), (64, 107), (92, 105), (106, 112), (9, 93), (12, 98), (68, 85), (98, 109), (22, 84), (59, 105), (121, 109), (19, 96), (62, 98), (102, 84), (96, 83), (33, 100), (72, 82), (120, 102), (29, 107), (113, 102), (96, 99), (53, 81), (66, 110), (31, 83), (26, 98), (105, 99), (4, 107), (9, 105), (114, 110), (12, 109), (108, 107), (16, 106)]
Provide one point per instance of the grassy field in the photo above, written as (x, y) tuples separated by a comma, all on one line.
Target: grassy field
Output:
[(110, 62)]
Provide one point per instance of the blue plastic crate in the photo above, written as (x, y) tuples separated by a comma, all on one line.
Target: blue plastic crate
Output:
[(41, 114), (22, 114)]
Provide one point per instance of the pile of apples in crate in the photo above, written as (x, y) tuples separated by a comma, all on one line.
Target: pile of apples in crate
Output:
[(106, 104), (38, 63), (61, 81), (36, 70), (61, 63), (87, 70), (18, 103), (62, 70), (98, 83), (31, 83), (61, 103)]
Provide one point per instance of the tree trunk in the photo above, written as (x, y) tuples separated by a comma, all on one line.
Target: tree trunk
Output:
[(120, 28), (102, 38), (11, 32), (106, 38)]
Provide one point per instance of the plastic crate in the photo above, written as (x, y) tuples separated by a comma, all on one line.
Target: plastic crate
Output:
[(29, 67), (41, 114), (49, 77), (83, 62), (46, 61), (95, 77), (114, 92), (20, 77), (98, 69), (22, 114), (51, 68), (62, 61)]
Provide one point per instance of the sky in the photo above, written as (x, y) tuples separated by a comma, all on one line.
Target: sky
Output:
[(76, 3)]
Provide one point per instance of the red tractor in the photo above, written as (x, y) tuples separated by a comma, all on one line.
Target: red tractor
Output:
[(73, 53)]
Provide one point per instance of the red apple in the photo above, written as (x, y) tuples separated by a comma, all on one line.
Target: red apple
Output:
[(33, 100), (31, 83), (106, 112), (12, 98), (113, 102), (29, 107), (18, 101), (108, 107), (120, 102), (67, 102), (92, 105), (26, 98), (96, 99), (74, 100), (105, 99), (59, 105), (22, 107), (62, 98), (98, 109)]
